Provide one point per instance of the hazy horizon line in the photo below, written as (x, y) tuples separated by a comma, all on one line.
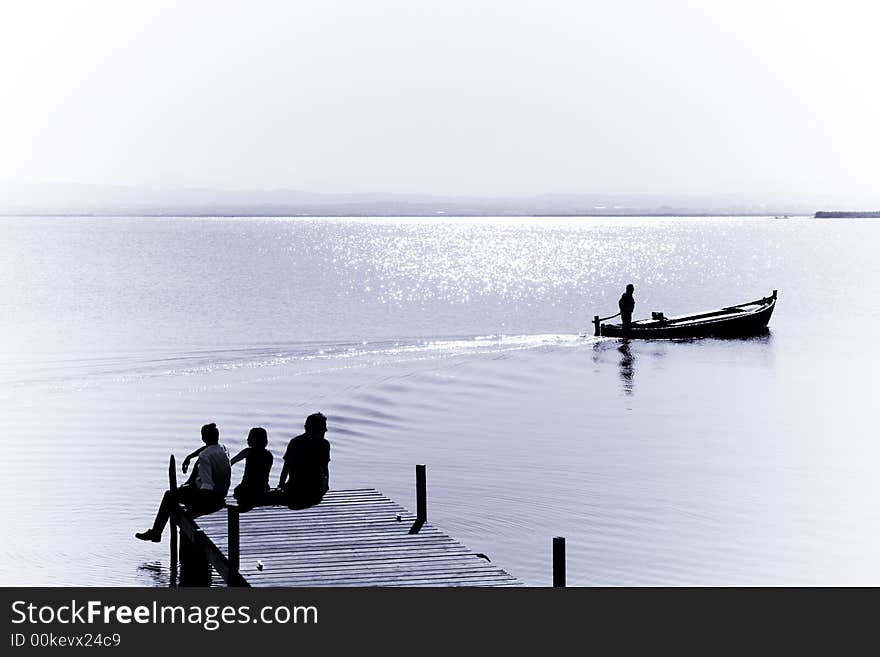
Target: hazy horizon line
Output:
[(96, 199), (183, 187)]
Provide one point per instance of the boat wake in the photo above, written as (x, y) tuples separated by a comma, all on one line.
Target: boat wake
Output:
[(82, 373)]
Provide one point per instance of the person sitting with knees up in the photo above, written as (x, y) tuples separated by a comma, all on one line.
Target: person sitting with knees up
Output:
[(204, 492)]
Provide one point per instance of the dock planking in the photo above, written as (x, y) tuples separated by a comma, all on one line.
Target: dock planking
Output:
[(354, 537)]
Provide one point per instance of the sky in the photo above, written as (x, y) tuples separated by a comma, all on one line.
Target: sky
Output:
[(476, 97)]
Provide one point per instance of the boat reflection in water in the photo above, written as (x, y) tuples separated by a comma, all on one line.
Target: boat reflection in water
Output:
[(627, 366), (626, 355), (632, 355)]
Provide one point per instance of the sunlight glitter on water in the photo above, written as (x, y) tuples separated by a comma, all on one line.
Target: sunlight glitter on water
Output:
[(452, 342)]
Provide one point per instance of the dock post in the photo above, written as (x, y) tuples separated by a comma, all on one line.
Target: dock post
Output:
[(558, 561), (234, 536), (172, 486), (195, 568), (421, 499), (596, 324)]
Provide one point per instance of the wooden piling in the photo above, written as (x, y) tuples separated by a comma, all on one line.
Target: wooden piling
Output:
[(172, 486), (558, 561), (596, 324), (421, 499), (234, 538), (196, 568)]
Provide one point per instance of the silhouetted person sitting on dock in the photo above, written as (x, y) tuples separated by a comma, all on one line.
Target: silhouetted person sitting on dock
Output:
[(306, 462), (254, 486), (205, 490), (627, 305)]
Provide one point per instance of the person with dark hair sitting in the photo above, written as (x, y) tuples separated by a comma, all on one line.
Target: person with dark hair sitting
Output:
[(205, 490), (254, 486), (306, 463)]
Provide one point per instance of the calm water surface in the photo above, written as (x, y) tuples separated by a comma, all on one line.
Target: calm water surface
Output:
[(452, 342)]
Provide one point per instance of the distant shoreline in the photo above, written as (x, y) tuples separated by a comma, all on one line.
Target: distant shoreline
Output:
[(435, 215), (69, 199), (823, 214)]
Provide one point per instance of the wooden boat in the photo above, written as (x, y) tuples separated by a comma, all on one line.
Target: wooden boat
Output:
[(733, 321)]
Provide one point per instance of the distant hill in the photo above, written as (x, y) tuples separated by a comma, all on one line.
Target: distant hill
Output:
[(114, 200), (823, 214)]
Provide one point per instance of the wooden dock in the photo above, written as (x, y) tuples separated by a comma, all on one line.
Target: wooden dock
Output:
[(354, 537)]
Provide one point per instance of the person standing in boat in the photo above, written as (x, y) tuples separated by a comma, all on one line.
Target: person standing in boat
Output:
[(627, 305)]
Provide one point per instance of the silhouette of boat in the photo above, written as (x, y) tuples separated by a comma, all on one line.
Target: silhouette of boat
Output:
[(733, 321)]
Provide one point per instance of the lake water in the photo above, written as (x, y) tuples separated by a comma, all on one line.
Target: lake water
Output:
[(455, 343)]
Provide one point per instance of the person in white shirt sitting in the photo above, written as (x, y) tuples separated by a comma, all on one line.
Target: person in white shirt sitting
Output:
[(205, 490)]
